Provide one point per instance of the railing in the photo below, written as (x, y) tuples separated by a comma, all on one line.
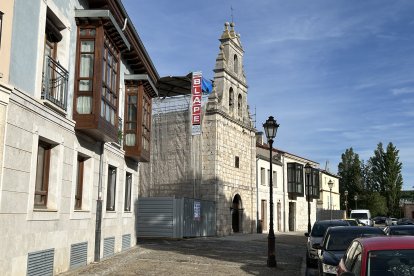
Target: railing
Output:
[(55, 83), (120, 131)]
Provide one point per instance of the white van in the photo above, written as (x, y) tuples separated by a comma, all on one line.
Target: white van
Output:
[(363, 216)]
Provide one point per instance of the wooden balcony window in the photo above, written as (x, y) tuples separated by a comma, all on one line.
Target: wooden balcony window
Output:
[(97, 83), (137, 126), (295, 179)]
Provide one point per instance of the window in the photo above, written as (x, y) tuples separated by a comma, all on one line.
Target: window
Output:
[(268, 178), (109, 82), (314, 184), (79, 183), (239, 104), (231, 98), (138, 105), (237, 162), (97, 82), (86, 68), (262, 176), (146, 122), (131, 120), (111, 189), (128, 185), (274, 179), (236, 64), (295, 178), (42, 175), (55, 77)]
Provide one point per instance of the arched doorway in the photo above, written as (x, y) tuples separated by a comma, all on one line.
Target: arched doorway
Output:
[(237, 214)]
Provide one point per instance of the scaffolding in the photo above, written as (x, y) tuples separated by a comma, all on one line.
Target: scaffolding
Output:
[(175, 164)]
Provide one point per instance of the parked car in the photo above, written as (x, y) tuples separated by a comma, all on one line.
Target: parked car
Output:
[(354, 222), (363, 215), (316, 235), (379, 219), (336, 241), (379, 256), (390, 221), (399, 230), (405, 221)]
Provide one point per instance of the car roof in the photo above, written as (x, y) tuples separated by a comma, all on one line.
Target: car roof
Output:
[(354, 229), (334, 221), (387, 242), (401, 226)]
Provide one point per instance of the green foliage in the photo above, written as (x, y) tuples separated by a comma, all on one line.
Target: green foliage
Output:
[(376, 203), (378, 182), (350, 176)]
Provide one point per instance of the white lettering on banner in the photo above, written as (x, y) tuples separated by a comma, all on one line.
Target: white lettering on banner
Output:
[(196, 92)]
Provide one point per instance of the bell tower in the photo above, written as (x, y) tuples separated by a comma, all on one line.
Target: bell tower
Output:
[(229, 144), (229, 78)]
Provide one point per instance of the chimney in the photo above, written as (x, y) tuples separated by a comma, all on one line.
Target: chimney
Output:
[(259, 138)]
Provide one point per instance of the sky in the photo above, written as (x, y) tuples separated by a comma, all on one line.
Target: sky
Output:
[(335, 74)]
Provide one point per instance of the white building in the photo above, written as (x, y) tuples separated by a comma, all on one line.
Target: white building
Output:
[(329, 198), (290, 203), (70, 73)]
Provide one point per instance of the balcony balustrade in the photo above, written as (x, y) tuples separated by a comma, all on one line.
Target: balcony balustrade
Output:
[(55, 83)]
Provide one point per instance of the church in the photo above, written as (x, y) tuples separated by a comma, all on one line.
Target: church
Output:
[(217, 165)]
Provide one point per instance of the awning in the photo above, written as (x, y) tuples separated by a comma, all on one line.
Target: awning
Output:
[(179, 85)]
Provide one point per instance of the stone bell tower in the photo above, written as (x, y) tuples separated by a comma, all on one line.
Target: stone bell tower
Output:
[(229, 147)]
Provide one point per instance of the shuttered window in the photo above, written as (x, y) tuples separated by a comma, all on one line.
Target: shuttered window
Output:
[(128, 186), (111, 189), (42, 175)]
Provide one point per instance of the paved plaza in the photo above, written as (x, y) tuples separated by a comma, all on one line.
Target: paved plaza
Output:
[(243, 254)]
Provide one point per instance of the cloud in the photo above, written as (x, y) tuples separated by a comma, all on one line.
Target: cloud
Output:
[(403, 90)]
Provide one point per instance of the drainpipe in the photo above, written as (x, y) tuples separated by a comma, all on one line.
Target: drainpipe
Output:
[(284, 195), (257, 196), (98, 227)]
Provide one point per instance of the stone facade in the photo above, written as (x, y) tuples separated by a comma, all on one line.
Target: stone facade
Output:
[(229, 150), (29, 120)]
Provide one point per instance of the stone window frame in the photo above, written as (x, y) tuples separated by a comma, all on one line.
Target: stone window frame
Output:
[(51, 210), (262, 176)]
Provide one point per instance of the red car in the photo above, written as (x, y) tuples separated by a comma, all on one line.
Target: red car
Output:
[(379, 256)]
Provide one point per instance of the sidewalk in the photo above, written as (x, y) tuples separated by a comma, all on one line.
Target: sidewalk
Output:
[(241, 254)]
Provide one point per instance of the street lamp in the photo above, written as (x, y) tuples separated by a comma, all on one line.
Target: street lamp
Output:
[(270, 127), (346, 203), (308, 171), (330, 185), (356, 201)]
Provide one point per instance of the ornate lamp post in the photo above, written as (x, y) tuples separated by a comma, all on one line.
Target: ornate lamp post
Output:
[(356, 201), (308, 171), (270, 127), (346, 203), (330, 185)]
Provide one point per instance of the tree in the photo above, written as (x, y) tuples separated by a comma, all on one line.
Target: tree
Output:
[(350, 175), (385, 176), (393, 179), (377, 170), (376, 203), (368, 177)]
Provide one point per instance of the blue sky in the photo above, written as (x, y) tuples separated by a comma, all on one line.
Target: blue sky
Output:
[(334, 73)]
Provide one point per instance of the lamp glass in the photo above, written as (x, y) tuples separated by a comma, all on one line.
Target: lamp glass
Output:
[(330, 184), (270, 127), (308, 168)]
